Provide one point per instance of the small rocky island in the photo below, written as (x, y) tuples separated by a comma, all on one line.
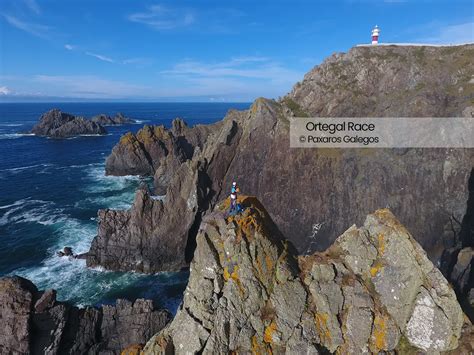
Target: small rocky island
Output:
[(58, 124), (117, 120)]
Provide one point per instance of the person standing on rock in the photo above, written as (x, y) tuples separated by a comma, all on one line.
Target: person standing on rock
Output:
[(235, 189), (233, 203)]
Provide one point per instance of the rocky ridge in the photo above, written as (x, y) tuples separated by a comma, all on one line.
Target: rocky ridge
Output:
[(58, 124), (319, 189), (374, 291), (118, 119), (34, 322)]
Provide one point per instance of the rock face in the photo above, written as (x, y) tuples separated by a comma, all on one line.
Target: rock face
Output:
[(321, 190), (457, 263), (118, 119), (57, 124), (374, 290), (33, 322)]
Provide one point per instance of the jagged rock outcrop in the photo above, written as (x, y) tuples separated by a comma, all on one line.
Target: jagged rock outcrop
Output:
[(106, 120), (34, 322), (154, 234), (325, 190), (374, 290), (58, 124), (155, 150)]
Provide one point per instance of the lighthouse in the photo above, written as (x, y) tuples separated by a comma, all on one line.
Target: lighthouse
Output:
[(375, 35)]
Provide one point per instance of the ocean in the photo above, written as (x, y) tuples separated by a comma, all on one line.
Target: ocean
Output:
[(50, 191)]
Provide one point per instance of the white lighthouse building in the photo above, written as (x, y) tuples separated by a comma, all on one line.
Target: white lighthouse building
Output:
[(375, 35)]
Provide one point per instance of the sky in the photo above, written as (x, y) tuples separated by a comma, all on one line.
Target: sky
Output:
[(142, 50)]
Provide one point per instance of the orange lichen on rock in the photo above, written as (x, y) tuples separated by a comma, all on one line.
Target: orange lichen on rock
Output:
[(381, 244), (269, 262), (248, 225), (269, 331), (135, 349), (321, 321), (234, 276), (127, 139), (257, 348), (376, 267), (379, 332)]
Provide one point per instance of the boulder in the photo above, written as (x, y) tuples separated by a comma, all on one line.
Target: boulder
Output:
[(374, 290), (57, 124)]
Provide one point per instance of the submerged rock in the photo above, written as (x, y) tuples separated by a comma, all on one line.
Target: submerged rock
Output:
[(34, 322), (57, 124), (118, 119), (374, 290)]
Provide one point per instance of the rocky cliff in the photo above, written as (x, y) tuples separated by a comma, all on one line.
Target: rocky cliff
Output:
[(34, 322), (58, 124), (389, 81), (314, 194), (374, 290)]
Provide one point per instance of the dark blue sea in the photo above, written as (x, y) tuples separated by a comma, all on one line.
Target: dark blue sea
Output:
[(50, 191)]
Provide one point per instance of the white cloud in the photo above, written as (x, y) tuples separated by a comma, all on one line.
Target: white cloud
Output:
[(4, 90), (163, 18), (140, 62), (242, 76), (33, 6), (69, 47), (32, 28), (451, 34), (242, 67), (100, 57)]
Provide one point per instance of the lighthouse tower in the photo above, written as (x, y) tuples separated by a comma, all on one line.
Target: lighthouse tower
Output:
[(375, 35)]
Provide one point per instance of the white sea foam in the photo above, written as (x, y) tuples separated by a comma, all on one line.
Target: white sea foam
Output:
[(21, 168), (103, 183), (32, 211), (14, 135), (70, 277), (11, 124)]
